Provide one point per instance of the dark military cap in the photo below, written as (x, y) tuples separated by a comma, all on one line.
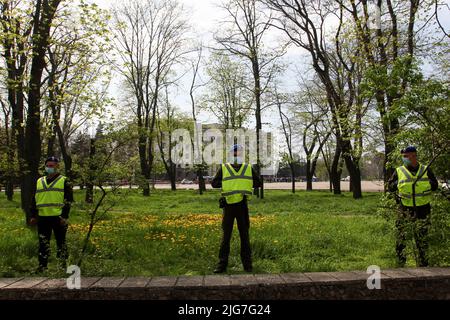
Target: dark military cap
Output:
[(409, 149), (52, 159)]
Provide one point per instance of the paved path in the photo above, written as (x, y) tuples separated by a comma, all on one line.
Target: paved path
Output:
[(367, 186), (413, 283)]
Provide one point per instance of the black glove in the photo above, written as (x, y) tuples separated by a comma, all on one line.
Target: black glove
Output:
[(222, 202)]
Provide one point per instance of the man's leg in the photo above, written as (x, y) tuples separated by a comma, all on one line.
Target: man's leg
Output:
[(400, 237), (60, 236), (44, 234), (227, 229), (421, 233), (243, 222)]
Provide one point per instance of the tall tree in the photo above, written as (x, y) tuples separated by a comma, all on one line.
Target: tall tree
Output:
[(9, 169), (287, 132), (166, 124), (247, 27), (15, 40), (20, 34), (199, 167), (389, 50), (75, 71), (227, 98), (150, 40), (312, 115), (304, 23)]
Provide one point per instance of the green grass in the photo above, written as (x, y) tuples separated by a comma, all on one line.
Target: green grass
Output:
[(178, 233)]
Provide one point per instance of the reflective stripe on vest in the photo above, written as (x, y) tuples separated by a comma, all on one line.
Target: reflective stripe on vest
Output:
[(50, 197), (422, 188), (236, 184)]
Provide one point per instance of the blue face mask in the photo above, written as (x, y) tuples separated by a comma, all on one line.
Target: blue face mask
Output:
[(406, 161), (238, 160), (50, 170)]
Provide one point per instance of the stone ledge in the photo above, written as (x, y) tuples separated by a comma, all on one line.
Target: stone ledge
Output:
[(420, 283)]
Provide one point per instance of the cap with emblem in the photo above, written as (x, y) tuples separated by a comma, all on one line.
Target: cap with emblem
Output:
[(236, 147), (51, 159), (409, 149)]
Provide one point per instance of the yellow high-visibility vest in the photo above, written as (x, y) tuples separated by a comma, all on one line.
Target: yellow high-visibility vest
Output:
[(236, 184), (50, 197), (422, 189)]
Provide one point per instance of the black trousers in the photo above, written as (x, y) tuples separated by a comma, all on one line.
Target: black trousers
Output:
[(421, 223), (45, 227), (238, 211)]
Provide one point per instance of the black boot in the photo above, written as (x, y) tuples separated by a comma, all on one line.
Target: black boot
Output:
[(220, 269), (40, 269), (62, 265), (401, 262)]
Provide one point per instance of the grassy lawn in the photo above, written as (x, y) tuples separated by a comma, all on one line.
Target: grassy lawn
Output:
[(177, 233)]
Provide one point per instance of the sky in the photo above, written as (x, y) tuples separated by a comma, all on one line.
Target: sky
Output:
[(205, 18)]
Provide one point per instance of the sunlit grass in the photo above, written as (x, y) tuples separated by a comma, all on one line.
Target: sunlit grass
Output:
[(175, 233)]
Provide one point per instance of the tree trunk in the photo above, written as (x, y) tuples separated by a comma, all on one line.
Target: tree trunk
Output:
[(9, 185), (18, 120), (150, 166), (328, 167), (51, 144), (9, 189), (145, 172), (43, 17), (256, 191), (257, 90), (261, 192), (9, 176), (173, 185), (67, 158), (145, 187), (201, 181), (292, 176), (388, 170), (27, 185), (56, 114), (89, 197), (15, 64), (173, 176), (336, 172), (355, 176), (308, 175), (52, 134)]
